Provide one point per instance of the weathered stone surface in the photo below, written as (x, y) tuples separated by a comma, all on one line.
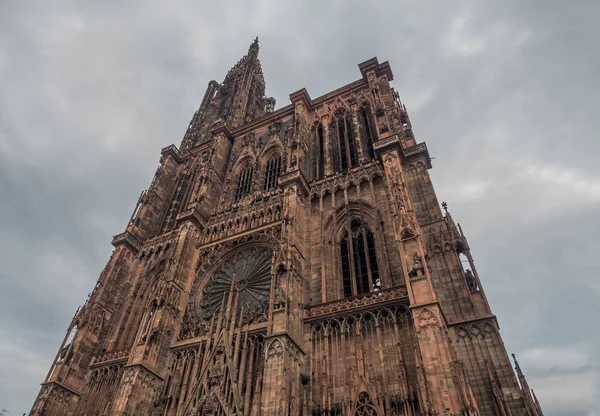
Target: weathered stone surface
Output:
[(292, 261)]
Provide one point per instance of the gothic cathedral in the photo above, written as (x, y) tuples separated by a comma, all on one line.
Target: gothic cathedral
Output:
[(289, 262)]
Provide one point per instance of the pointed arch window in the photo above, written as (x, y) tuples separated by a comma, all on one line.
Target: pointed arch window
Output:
[(347, 152), (368, 130), (360, 273), (244, 184), (272, 172), (319, 152)]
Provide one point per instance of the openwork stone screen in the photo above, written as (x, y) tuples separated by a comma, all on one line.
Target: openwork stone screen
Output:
[(250, 270)]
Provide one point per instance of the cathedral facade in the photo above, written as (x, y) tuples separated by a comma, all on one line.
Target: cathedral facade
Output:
[(289, 262)]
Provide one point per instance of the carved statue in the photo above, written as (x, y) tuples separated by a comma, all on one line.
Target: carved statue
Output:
[(416, 269), (280, 298), (218, 369), (65, 354), (471, 282)]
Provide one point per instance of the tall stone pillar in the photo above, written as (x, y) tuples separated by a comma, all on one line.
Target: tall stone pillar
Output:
[(282, 391), (443, 389), (148, 361)]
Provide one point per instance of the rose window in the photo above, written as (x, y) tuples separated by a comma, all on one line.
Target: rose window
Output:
[(250, 272)]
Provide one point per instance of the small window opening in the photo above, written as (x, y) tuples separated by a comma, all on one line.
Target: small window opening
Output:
[(272, 174), (244, 184)]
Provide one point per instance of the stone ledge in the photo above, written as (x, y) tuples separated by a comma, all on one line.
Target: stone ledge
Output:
[(192, 215), (356, 303), (417, 149), (173, 151), (127, 239)]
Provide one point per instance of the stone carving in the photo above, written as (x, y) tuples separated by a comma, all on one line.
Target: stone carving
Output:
[(280, 299), (218, 368), (471, 282), (275, 349), (416, 269), (426, 319)]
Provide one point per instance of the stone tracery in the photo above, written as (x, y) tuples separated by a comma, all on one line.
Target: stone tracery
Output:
[(248, 272)]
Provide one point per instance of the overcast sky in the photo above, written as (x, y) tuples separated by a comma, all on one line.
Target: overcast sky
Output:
[(505, 94)]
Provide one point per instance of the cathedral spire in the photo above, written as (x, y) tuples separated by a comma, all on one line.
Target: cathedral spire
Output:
[(239, 99), (253, 49)]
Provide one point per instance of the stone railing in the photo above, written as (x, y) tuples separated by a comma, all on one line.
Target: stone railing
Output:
[(118, 355), (127, 239), (244, 216), (416, 149), (366, 300), (343, 180), (385, 142), (172, 149)]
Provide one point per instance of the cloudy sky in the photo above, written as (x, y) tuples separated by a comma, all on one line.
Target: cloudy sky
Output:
[(504, 93)]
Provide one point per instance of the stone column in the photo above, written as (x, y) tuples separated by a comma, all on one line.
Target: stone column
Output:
[(148, 361), (434, 350)]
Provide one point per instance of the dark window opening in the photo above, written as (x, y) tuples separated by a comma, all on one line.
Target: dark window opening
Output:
[(244, 184), (368, 129), (342, 142), (373, 262), (351, 141), (320, 153), (272, 173), (347, 150), (346, 278), (381, 120), (360, 265), (360, 273)]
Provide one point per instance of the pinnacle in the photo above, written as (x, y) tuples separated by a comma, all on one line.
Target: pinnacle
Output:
[(517, 367), (253, 50)]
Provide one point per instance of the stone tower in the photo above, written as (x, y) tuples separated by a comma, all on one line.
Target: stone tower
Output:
[(289, 262)]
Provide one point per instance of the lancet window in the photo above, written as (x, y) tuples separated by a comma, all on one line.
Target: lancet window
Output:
[(272, 172), (244, 183), (342, 129), (368, 130), (319, 162), (360, 273)]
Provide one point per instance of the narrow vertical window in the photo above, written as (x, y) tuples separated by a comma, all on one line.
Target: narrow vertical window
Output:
[(360, 265), (319, 152), (272, 173), (343, 126), (373, 262), (244, 183), (368, 129), (346, 276), (342, 142), (352, 148), (334, 144), (360, 273)]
